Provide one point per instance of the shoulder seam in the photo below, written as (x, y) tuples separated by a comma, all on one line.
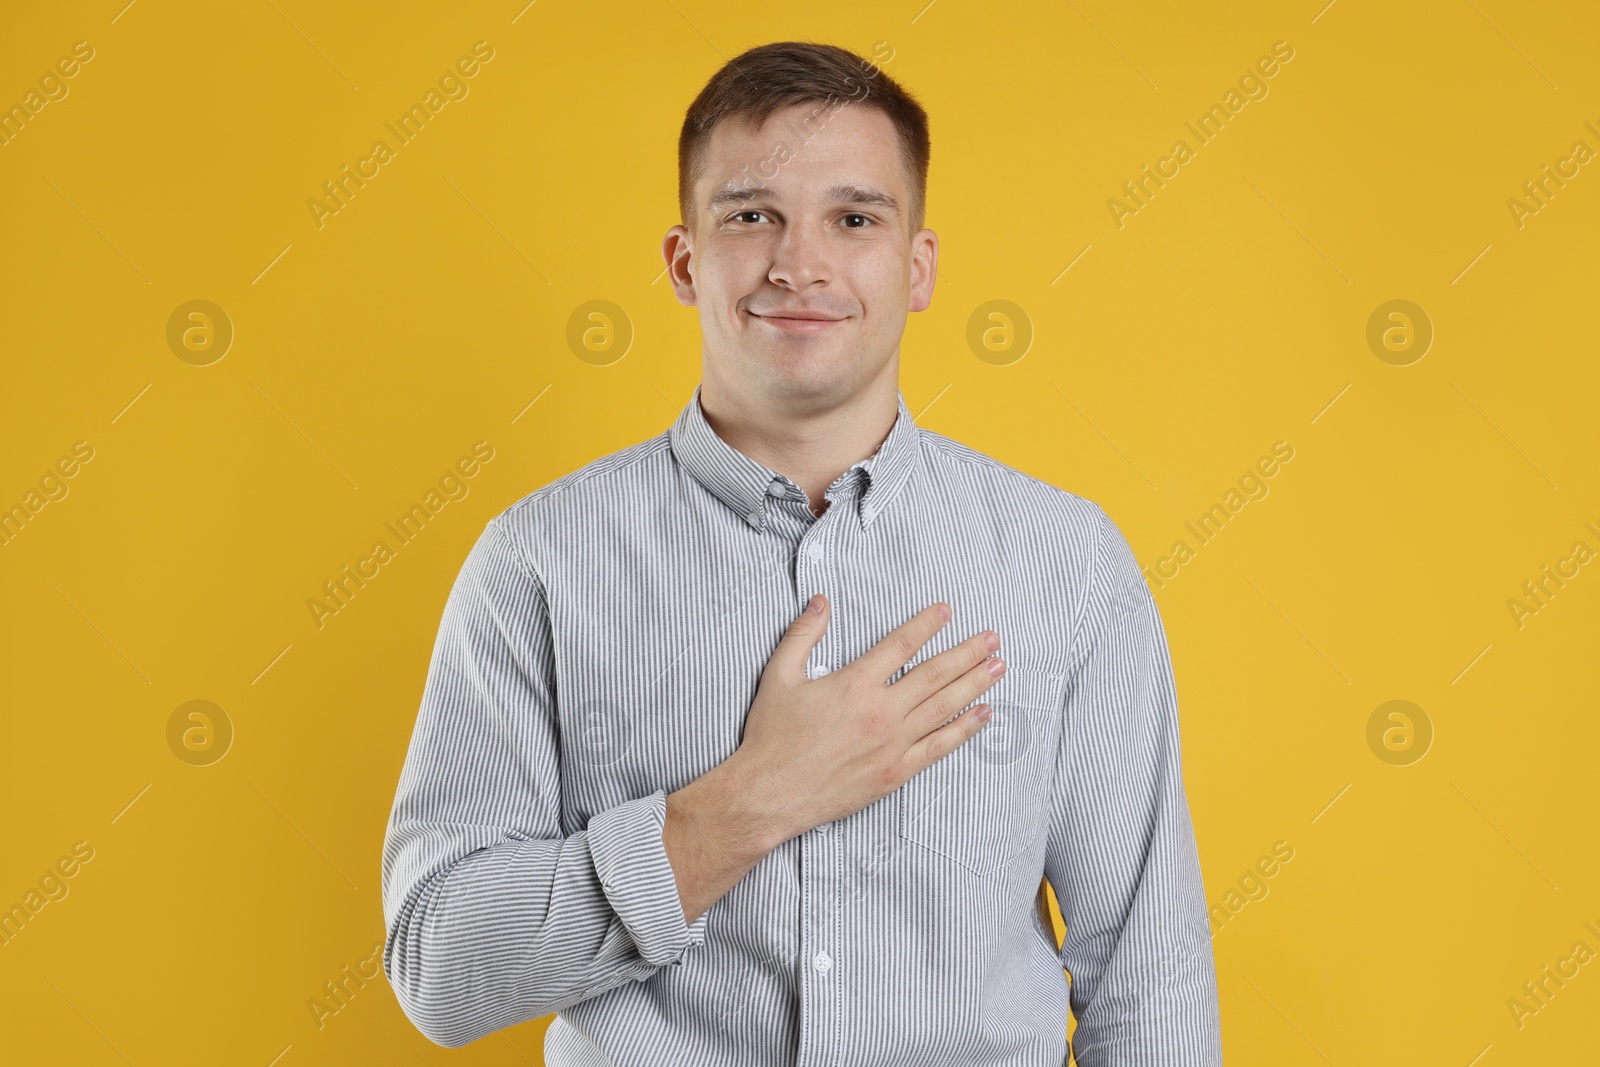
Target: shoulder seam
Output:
[(961, 452), (522, 562), (571, 479)]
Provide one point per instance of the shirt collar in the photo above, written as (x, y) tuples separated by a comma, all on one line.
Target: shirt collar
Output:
[(745, 485)]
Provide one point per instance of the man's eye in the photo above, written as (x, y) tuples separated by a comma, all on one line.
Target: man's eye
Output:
[(753, 215)]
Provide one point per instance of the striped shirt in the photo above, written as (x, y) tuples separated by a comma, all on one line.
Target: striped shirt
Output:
[(601, 647)]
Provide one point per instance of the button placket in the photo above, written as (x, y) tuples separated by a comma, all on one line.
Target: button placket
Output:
[(822, 852), (819, 996), (812, 553)]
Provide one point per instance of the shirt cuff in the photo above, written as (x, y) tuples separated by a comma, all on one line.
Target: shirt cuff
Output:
[(631, 861)]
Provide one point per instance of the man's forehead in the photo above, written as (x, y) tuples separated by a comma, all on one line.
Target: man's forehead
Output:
[(851, 154)]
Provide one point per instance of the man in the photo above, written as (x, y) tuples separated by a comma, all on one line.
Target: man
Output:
[(698, 766)]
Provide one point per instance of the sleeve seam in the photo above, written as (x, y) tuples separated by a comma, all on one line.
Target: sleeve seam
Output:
[(1092, 572)]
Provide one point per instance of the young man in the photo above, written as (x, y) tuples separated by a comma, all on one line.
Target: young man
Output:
[(651, 791)]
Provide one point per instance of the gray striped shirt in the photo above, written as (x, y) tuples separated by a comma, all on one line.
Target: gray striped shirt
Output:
[(600, 648)]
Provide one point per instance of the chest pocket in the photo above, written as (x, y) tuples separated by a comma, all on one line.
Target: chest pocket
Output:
[(981, 806)]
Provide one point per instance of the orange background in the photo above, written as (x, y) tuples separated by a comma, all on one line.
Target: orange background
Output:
[(1165, 357)]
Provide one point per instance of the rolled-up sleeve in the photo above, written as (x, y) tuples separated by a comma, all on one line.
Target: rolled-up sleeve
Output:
[(1121, 853), (493, 916)]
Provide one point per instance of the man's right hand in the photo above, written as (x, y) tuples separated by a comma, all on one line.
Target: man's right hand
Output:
[(819, 749)]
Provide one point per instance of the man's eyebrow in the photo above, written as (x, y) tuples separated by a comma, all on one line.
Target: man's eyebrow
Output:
[(856, 194), (839, 194), (736, 195)]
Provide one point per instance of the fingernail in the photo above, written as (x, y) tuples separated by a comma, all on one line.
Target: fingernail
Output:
[(945, 610), (997, 668), (983, 712), (814, 605)]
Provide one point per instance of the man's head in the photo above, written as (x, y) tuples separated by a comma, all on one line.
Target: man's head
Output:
[(802, 178)]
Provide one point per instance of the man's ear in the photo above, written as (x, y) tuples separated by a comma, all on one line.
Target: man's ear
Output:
[(924, 268), (677, 251)]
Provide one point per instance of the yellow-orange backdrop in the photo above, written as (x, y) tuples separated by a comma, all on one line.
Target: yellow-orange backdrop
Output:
[(188, 484)]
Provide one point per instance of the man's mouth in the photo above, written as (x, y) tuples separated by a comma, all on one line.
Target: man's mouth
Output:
[(798, 320)]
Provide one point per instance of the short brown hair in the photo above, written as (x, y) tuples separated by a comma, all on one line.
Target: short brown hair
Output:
[(757, 82)]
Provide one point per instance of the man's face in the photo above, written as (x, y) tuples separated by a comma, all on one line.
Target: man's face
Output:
[(800, 257)]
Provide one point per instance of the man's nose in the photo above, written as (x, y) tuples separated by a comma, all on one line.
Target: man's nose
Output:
[(801, 256)]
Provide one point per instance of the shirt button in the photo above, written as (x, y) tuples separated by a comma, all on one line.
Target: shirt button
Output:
[(820, 669), (823, 962), (816, 550), (775, 489)]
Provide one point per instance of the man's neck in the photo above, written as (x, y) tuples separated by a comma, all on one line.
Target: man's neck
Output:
[(811, 448)]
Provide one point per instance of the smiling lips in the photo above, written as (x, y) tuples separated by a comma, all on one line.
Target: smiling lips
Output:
[(798, 320)]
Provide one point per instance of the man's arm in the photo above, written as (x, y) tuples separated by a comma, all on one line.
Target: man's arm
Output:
[(1121, 854), (494, 917)]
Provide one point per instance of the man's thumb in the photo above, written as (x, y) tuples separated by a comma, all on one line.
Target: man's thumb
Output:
[(801, 637)]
